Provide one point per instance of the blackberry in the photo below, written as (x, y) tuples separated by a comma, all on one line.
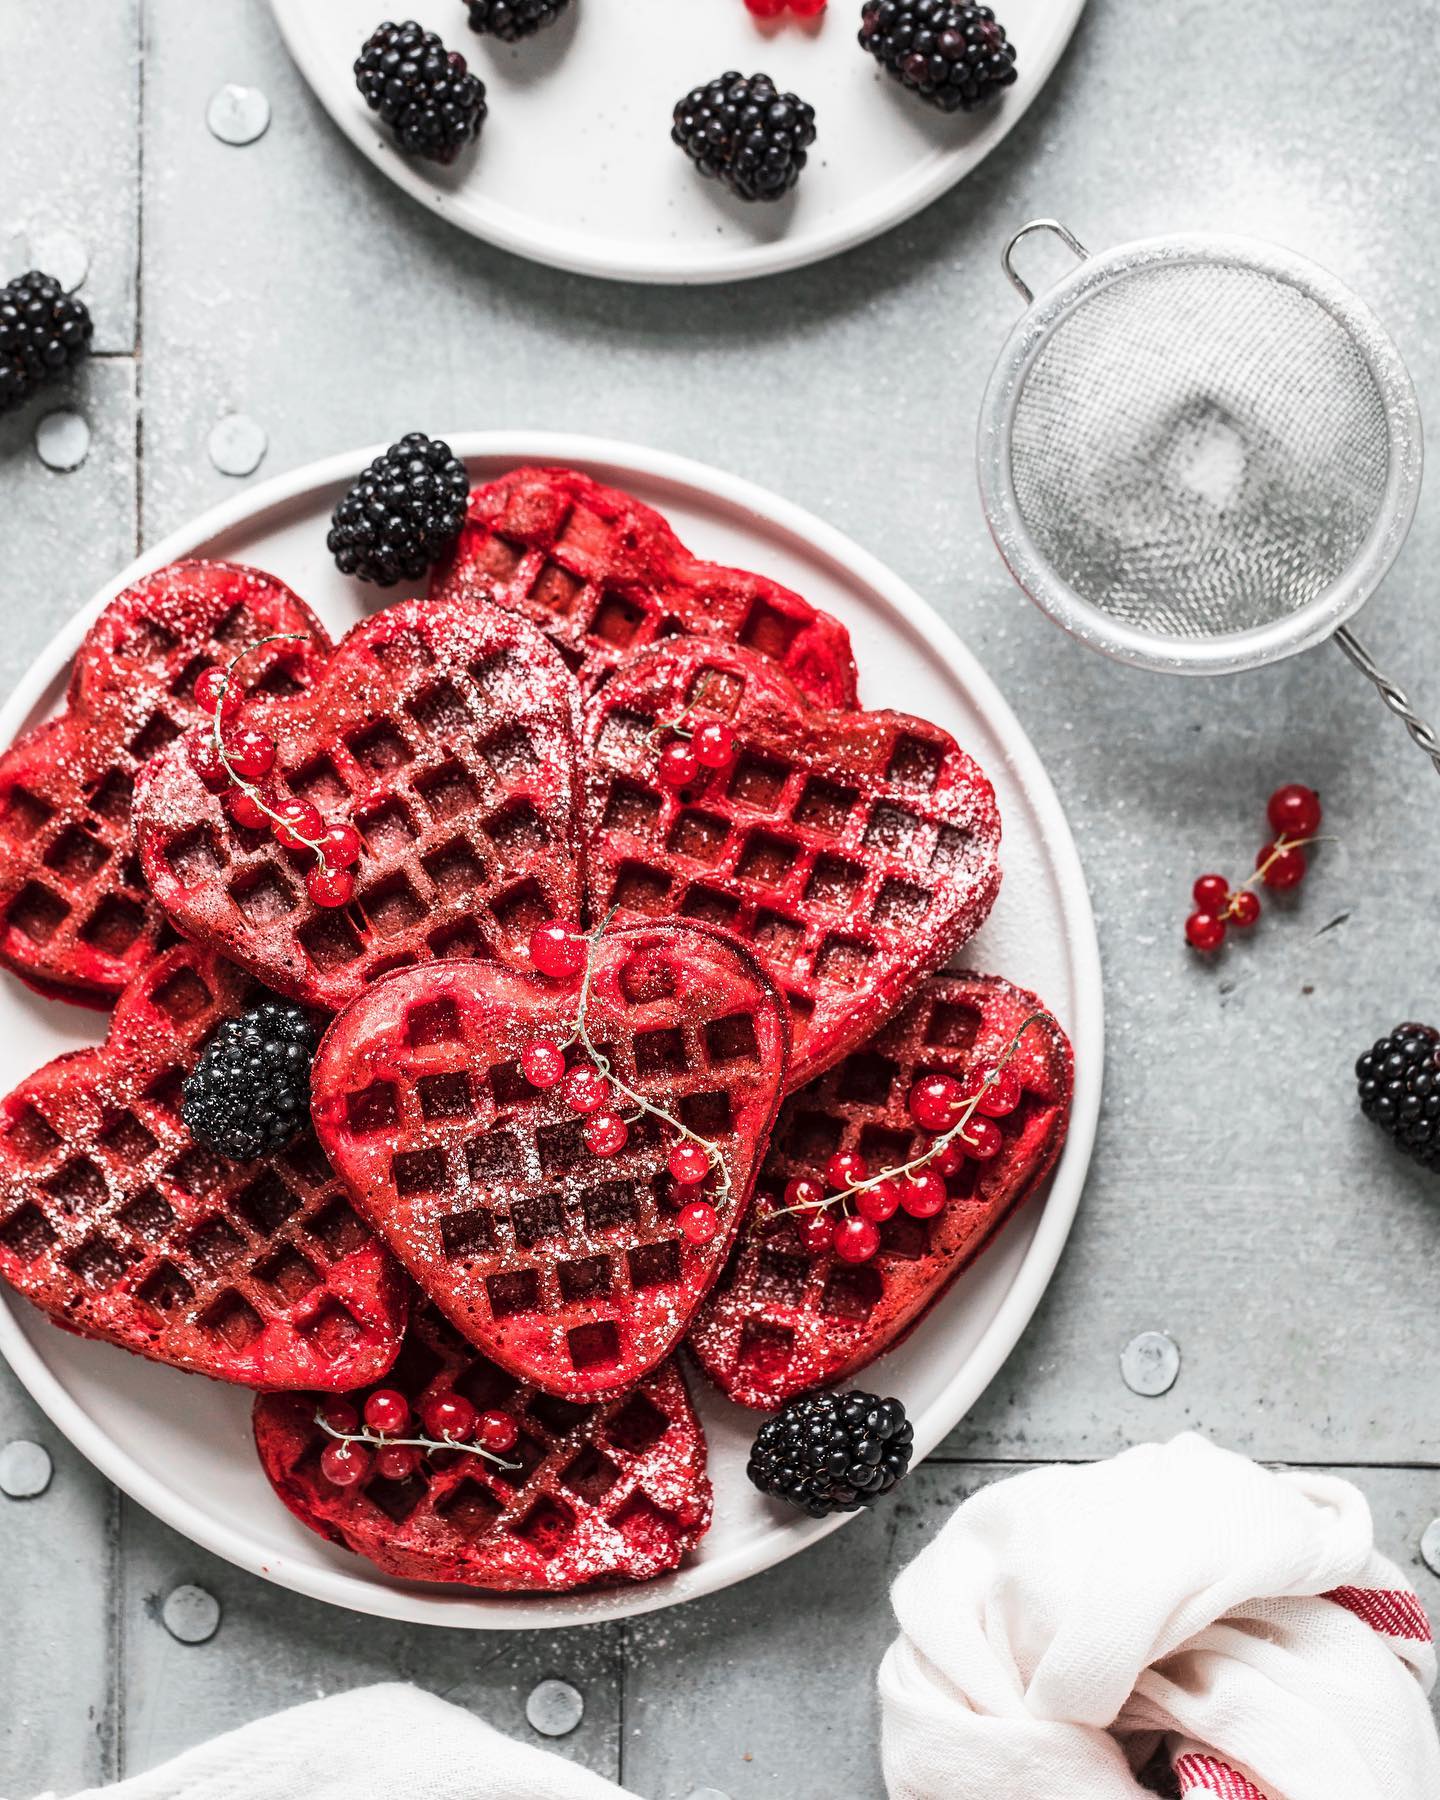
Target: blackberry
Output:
[(956, 57), (403, 513), (43, 332), (511, 20), (249, 1094), (422, 91), (1399, 1080), (743, 131), (832, 1452)]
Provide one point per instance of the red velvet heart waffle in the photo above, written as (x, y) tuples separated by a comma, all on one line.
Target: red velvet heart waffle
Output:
[(784, 1319), (446, 735), (573, 1269), (603, 1493), (604, 575), (853, 851), (118, 1225), (75, 918)]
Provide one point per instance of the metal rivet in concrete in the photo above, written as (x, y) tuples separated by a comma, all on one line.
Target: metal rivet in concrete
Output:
[(237, 445), (62, 441), (1150, 1363), (191, 1615), (25, 1469), (1430, 1546), (238, 115), (555, 1708), (61, 254)]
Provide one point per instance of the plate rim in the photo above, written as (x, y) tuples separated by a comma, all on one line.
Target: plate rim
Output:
[(548, 246), (618, 461)]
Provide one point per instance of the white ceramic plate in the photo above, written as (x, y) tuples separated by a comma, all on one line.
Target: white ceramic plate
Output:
[(575, 166), (181, 1446)]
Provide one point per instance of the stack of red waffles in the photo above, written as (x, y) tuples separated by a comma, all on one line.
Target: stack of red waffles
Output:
[(632, 1026)]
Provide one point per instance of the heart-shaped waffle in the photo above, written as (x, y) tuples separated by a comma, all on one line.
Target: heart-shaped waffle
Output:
[(602, 1493), (852, 851), (783, 1320), (76, 920), (569, 1268), (446, 735), (118, 1225), (603, 576)]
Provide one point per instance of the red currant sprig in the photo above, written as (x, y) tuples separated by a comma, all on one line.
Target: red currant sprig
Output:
[(1294, 814), (689, 749), (961, 1113), (772, 9), (233, 762), (449, 1422)]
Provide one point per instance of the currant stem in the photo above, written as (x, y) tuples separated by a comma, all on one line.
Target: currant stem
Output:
[(376, 1440), (1283, 846)]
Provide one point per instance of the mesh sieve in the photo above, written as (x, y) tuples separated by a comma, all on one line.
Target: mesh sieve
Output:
[(1200, 454)]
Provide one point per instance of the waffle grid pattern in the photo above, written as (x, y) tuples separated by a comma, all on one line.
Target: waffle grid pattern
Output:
[(851, 853), (447, 737), (78, 920), (604, 576), (569, 1267), (603, 1492), (782, 1321), (116, 1223)]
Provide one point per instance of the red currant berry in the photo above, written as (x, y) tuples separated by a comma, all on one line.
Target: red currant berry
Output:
[(714, 746), (214, 688), (1211, 892), (856, 1240), (950, 1160), (689, 1163), (343, 1465), (245, 809), (296, 825), (1294, 811), (700, 1223), (449, 1417), (1287, 870), (1244, 907), (330, 887), (606, 1134), (679, 765), (206, 760), (846, 1169), (817, 1233), (936, 1102), (765, 9), (543, 1065), (251, 754), (340, 1415), (999, 1097), (807, 9), (923, 1195), (557, 951), (681, 1193), (397, 1462), (1203, 931), (878, 1203), (340, 846), (586, 1089), (498, 1432), (802, 1191), (981, 1138), (387, 1411)]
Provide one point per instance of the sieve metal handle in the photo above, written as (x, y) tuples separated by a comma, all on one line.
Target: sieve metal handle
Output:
[(1007, 255), (1393, 696)]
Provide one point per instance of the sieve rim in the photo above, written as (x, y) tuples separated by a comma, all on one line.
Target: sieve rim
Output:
[(1223, 653)]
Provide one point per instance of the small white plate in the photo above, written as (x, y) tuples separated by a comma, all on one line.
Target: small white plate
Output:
[(181, 1446), (575, 166)]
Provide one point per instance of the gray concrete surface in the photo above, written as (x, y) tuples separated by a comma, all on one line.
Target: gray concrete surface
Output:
[(1236, 1199)]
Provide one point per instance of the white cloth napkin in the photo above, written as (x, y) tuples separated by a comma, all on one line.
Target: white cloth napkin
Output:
[(1068, 1623)]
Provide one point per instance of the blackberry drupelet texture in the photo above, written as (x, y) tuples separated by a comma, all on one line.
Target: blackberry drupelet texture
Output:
[(511, 20), (43, 332), (832, 1453), (956, 57), (403, 514), (424, 92), (1399, 1080), (743, 131), (249, 1094)]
